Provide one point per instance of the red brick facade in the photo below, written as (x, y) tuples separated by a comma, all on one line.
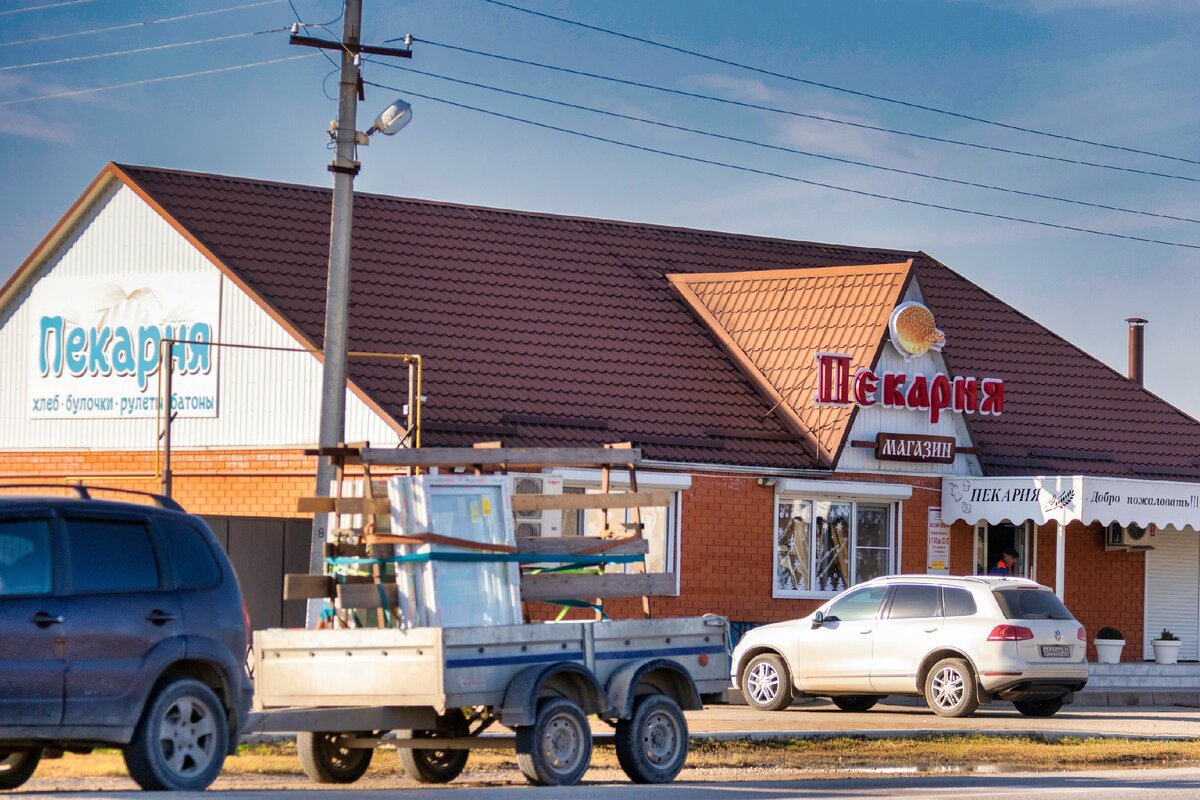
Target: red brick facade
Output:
[(728, 532)]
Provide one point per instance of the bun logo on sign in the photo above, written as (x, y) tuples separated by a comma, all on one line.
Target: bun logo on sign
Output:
[(913, 333), (913, 330)]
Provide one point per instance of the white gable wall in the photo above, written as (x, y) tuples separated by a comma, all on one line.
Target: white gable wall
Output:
[(877, 419), (265, 398)]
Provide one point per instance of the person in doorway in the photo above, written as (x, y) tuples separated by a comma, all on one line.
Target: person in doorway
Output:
[(1006, 566)]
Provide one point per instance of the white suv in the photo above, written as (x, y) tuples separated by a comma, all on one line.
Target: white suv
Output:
[(957, 642)]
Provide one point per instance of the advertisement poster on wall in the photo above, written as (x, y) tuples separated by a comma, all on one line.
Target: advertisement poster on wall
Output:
[(938, 549), (97, 345)]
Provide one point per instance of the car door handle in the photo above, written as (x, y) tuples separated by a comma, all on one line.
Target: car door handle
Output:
[(44, 620), (863, 633), (158, 617), (930, 630)]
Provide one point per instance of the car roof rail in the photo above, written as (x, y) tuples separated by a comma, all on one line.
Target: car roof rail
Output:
[(84, 492)]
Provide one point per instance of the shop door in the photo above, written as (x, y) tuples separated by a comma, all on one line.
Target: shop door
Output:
[(992, 538), (1173, 591)]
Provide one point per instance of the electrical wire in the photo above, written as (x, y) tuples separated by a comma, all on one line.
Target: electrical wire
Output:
[(781, 176), (842, 89), (95, 56), (45, 7), (792, 150), (142, 24), (803, 115), (145, 81), (304, 24)]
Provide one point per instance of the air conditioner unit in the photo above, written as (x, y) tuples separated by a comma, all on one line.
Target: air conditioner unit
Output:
[(546, 522), (1124, 537)]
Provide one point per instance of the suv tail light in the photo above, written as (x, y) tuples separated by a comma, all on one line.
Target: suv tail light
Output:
[(1081, 634), (1009, 633)]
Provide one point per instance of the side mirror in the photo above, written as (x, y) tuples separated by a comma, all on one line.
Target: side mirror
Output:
[(818, 620)]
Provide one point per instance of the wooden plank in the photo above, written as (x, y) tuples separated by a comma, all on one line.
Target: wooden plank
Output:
[(539, 502), (560, 586), (343, 505), (335, 550), (512, 456), (306, 587), (366, 595), (634, 545)]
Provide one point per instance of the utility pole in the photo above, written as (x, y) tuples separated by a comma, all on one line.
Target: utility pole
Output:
[(344, 167)]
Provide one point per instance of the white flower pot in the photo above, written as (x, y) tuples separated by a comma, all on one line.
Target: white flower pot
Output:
[(1108, 651), (1166, 651)]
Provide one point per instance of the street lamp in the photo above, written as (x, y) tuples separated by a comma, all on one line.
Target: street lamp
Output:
[(392, 119)]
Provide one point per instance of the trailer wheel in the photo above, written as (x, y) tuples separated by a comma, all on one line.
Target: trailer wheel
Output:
[(436, 766), (325, 760), (653, 743), (557, 748), (17, 765)]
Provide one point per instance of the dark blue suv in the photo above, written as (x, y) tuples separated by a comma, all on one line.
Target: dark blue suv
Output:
[(120, 624)]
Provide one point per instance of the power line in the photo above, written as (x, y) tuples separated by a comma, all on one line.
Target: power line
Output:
[(45, 7), (781, 176), (303, 24), (76, 92), (842, 89), (114, 53), (792, 150), (143, 24), (803, 115)]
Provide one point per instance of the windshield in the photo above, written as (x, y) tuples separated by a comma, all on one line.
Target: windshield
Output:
[(1031, 604)]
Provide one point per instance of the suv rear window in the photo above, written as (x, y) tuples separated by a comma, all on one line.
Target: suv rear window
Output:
[(1031, 604), (192, 561), (110, 556), (914, 602), (957, 602)]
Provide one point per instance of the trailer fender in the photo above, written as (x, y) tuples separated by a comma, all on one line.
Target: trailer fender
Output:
[(653, 676), (573, 681)]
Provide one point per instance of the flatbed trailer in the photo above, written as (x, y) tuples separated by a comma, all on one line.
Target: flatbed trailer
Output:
[(433, 692)]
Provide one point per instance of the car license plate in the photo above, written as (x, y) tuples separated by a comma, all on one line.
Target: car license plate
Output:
[(1056, 651)]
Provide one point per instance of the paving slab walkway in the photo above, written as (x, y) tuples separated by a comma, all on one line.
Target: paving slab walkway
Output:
[(819, 718)]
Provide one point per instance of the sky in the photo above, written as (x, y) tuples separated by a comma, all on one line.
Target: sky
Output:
[(1117, 72)]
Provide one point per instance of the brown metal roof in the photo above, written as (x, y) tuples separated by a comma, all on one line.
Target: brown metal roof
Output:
[(773, 323), (546, 330)]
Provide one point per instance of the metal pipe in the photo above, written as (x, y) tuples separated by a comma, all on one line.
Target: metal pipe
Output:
[(1137, 350), (167, 370)]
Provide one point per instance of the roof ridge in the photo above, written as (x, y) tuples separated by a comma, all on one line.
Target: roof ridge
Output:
[(360, 194)]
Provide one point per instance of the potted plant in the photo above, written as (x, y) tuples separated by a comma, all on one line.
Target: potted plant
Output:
[(1109, 644), (1166, 647)]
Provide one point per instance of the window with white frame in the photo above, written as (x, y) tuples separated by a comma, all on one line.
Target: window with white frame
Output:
[(660, 526), (824, 546)]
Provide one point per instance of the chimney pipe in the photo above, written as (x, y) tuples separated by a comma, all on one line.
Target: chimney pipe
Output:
[(1137, 350)]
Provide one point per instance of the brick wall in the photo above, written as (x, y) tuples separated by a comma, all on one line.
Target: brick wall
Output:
[(241, 483), (1101, 588), (728, 538)]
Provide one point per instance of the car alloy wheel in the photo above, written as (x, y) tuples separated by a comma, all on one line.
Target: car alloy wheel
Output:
[(762, 682)]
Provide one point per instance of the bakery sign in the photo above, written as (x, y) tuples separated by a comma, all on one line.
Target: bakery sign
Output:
[(96, 345), (913, 333)]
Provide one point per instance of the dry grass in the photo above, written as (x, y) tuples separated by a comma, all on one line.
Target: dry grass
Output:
[(800, 755)]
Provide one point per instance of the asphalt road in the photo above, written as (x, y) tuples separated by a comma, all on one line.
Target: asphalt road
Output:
[(1167, 784), (814, 719)]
